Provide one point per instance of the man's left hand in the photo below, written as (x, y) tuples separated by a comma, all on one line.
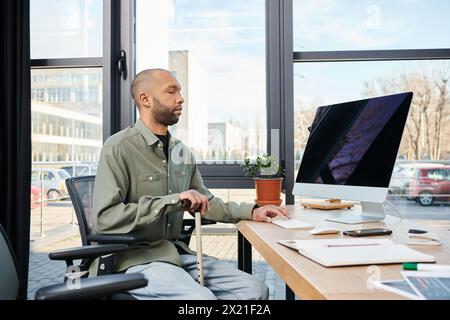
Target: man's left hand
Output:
[(266, 213)]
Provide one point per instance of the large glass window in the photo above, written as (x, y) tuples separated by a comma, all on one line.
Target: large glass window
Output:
[(66, 29), (67, 117), (419, 178), (327, 25), (66, 104), (216, 50)]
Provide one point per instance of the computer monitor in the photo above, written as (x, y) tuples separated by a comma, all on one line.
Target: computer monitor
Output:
[(351, 152)]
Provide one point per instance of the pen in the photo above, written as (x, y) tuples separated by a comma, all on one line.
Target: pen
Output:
[(352, 245), (426, 267)]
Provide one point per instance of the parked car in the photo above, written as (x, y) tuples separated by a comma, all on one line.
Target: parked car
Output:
[(76, 169), (403, 174), (431, 185), (53, 182), (35, 196), (91, 170)]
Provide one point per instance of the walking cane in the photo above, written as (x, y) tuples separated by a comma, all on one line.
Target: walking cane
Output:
[(186, 204)]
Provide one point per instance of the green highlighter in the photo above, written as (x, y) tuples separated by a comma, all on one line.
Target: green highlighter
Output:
[(425, 267)]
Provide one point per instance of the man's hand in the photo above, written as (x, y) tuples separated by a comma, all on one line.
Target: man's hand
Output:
[(266, 213), (198, 201)]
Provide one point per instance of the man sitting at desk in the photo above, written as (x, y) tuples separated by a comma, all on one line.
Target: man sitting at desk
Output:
[(142, 176)]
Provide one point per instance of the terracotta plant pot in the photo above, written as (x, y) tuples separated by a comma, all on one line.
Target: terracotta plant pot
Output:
[(268, 191)]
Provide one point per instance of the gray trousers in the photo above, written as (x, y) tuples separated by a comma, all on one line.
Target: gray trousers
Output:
[(222, 281)]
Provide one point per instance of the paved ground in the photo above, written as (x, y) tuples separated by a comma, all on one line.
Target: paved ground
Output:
[(223, 246)]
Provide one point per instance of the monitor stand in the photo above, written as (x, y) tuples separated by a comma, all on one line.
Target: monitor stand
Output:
[(329, 204), (370, 212)]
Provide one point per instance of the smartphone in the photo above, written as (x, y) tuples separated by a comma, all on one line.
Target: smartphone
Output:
[(368, 232)]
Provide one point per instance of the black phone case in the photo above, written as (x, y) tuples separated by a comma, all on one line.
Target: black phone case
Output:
[(353, 233)]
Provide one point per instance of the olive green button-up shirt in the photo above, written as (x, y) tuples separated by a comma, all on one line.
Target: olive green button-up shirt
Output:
[(137, 190)]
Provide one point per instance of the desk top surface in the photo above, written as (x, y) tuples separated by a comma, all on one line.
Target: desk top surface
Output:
[(310, 280)]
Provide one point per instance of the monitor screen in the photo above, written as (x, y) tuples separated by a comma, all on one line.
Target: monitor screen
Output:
[(355, 143)]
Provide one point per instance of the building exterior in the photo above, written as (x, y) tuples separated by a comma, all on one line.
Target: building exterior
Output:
[(192, 128), (66, 113), (226, 141)]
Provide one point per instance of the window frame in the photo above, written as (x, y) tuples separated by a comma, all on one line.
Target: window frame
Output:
[(279, 105), (368, 55), (119, 110), (112, 93)]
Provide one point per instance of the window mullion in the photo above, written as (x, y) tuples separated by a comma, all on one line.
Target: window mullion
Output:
[(280, 106)]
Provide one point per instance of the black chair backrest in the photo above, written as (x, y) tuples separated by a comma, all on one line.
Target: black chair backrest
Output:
[(9, 278), (81, 191)]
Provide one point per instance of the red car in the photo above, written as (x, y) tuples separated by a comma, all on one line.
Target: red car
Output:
[(36, 197), (431, 185)]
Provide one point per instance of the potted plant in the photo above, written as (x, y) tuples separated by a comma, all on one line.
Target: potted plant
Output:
[(268, 176)]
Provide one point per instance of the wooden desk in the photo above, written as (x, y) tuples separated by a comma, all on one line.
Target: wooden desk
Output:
[(308, 279)]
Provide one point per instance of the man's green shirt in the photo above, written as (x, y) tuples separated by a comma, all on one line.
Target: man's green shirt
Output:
[(137, 190)]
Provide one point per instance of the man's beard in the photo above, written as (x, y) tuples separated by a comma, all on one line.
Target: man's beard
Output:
[(163, 114)]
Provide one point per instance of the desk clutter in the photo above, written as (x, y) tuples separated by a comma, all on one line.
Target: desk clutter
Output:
[(351, 252), (334, 252), (336, 266)]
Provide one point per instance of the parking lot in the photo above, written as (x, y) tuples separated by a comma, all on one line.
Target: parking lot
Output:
[(412, 210)]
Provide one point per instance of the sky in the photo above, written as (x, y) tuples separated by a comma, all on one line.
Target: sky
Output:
[(228, 38), (66, 28), (328, 25), (370, 24)]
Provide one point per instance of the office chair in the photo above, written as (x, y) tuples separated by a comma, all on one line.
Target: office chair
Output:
[(81, 190), (93, 288)]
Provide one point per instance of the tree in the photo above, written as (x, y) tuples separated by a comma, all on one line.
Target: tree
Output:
[(428, 122), (303, 118)]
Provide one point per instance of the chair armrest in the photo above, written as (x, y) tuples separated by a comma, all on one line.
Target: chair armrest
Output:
[(206, 222), (87, 252), (93, 288), (115, 238)]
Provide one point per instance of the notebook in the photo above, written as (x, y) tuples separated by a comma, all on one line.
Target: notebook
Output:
[(291, 223), (429, 285), (400, 287), (350, 252)]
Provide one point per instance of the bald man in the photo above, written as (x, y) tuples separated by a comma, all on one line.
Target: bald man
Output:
[(142, 176)]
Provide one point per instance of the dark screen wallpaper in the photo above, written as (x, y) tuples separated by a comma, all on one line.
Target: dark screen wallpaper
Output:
[(355, 143)]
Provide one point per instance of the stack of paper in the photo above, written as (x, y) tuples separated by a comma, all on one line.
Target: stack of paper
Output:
[(347, 252)]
